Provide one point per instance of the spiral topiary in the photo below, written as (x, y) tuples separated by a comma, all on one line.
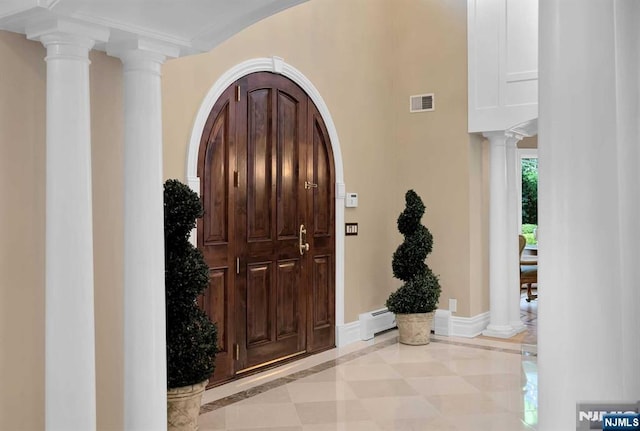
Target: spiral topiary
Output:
[(191, 337), (421, 290)]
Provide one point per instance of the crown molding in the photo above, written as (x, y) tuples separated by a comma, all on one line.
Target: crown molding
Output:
[(190, 27)]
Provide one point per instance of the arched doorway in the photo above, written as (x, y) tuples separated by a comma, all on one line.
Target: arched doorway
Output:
[(267, 181)]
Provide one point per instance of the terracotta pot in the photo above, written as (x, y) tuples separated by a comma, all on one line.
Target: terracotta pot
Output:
[(183, 407), (415, 329)]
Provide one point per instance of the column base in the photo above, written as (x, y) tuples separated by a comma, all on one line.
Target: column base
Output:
[(499, 331), (518, 326)]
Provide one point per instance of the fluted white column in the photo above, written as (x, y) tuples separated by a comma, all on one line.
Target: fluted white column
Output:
[(144, 296), (589, 349), (70, 387), (513, 256), (498, 260)]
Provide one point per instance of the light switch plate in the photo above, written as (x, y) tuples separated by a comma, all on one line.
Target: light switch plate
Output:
[(351, 200)]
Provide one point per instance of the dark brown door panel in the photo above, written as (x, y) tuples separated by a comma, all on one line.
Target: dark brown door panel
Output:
[(266, 170)]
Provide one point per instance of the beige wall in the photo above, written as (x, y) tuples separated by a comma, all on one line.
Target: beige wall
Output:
[(531, 142), (108, 236), (22, 233), (479, 225), (366, 57), (435, 154), (342, 47), (22, 206)]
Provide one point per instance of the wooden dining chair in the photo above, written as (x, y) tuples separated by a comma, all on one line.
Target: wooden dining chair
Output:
[(528, 271)]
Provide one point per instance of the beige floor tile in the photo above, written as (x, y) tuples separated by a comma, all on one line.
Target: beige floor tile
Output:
[(506, 363), (296, 428), (422, 369), (371, 358), (272, 396), (442, 385), (454, 353), (343, 426), (382, 388), (513, 401), (242, 415), (350, 372), (326, 412), (493, 422), (214, 420), (399, 408), (303, 391), (328, 375), (497, 382), (464, 404), (401, 353), (423, 424)]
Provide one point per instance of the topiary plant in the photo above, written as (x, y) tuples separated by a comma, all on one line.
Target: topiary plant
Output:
[(191, 337), (421, 290)]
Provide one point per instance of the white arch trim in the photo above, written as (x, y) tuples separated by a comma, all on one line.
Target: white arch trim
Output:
[(278, 65)]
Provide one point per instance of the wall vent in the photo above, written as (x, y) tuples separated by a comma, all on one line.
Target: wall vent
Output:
[(422, 103)]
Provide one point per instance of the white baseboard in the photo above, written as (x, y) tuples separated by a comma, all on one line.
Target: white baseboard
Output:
[(454, 326), (444, 324), (347, 333), (469, 327)]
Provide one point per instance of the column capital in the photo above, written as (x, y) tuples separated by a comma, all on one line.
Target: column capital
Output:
[(523, 130), (142, 54), (496, 137), (68, 34), (514, 137), (507, 138)]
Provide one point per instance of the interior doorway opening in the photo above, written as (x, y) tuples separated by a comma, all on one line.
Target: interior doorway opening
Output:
[(528, 194)]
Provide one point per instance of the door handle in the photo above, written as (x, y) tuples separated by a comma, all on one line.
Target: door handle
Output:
[(302, 240)]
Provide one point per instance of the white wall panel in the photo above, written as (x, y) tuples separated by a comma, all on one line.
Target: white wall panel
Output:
[(522, 36), (503, 63), (487, 58), (521, 93)]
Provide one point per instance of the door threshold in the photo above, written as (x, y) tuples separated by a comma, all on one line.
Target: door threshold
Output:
[(265, 365)]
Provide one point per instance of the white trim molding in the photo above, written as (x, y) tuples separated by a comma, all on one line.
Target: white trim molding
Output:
[(279, 66), (442, 323), (469, 327), (455, 326), (347, 333)]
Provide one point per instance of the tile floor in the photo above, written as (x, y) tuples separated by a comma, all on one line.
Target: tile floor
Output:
[(450, 384)]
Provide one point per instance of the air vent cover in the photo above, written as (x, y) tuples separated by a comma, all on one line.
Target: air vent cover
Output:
[(422, 103)]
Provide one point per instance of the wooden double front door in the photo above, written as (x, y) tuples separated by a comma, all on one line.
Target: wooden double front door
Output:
[(267, 186)]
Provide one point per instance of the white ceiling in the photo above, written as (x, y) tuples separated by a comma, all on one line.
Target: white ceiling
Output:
[(192, 25)]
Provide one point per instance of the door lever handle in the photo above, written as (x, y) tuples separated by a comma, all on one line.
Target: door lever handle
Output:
[(302, 243), (309, 185)]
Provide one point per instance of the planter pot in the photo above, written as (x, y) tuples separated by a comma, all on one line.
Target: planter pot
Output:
[(183, 407), (415, 329)]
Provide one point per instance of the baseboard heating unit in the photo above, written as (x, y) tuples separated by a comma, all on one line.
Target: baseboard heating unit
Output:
[(376, 321)]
